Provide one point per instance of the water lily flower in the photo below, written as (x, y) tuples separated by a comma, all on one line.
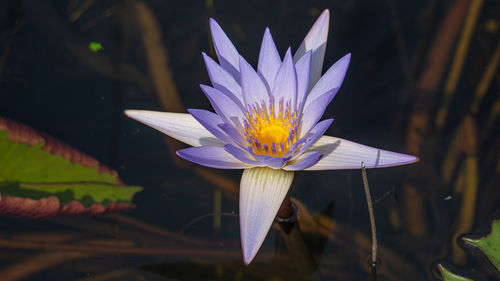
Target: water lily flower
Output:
[(267, 122)]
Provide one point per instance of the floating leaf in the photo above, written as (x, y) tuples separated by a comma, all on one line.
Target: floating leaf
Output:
[(490, 244), (449, 276), (40, 176)]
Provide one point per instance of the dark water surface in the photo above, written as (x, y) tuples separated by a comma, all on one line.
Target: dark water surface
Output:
[(403, 55)]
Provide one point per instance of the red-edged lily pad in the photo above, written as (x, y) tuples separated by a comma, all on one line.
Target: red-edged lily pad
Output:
[(42, 177)]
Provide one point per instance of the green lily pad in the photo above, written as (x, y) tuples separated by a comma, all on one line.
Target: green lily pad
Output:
[(490, 244), (450, 276), (40, 176)]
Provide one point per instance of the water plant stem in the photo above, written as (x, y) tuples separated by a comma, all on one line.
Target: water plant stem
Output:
[(373, 259), (286, 210)]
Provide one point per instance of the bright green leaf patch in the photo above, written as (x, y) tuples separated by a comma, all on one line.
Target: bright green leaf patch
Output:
[(490, 244), (95, 46), (450, 276), (31, 172), (24, 163)]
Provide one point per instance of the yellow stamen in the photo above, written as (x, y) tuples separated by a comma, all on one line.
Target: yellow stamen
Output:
[(268, 132)]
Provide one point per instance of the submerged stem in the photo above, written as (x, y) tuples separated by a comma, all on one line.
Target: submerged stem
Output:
[(373, 259), (286, 210)]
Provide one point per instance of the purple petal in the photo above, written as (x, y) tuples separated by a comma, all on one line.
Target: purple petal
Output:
[(180, 126), (271, 162), (314, 134), (235, 135), (285, 85), (226, 52), (313, 111), (254, 90), (262, 191), (343, 154), (331, 80), (291, 152), (240, 154), (315, 41), (223, 81), (269, 59), (212, 156), (210, 121), (304, 161), (303, 68), (226, 108)]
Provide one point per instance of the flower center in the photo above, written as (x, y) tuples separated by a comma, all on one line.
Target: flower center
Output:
[(272, 133), (269, 131)]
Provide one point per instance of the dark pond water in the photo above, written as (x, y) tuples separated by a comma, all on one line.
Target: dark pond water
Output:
[(410, 61)]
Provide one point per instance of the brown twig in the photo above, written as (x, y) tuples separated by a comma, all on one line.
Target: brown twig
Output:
[(153, 229), (486, 79), (123, 249), (458, 62), (427, 86), (80, 10), (39, 262), (158, 61)]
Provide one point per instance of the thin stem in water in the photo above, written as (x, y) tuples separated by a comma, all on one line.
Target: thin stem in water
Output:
[(372, 216)]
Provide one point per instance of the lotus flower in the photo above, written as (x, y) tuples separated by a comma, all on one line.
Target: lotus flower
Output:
[(267, 123)]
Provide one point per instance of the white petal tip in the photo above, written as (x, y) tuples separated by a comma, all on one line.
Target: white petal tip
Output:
[(325, 15), (398, 159), (412, 159), (134, 113), (249, 255), (392, 159)]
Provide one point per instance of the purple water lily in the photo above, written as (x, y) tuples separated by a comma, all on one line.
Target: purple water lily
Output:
[(267, 123)]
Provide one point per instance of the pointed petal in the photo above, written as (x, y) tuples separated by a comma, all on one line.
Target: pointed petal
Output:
[(315, 41), (304, 161), (313, 111), (285, 85), (269, 59), (314, 134), (227, 109), (271, 162), (254, 90), (226, 52), (241, 154), (262, 191), (235, 135), (341, 154), (180, 126), (211, 122), (223, 81), (303, 69), (212, 156), (332, 79)]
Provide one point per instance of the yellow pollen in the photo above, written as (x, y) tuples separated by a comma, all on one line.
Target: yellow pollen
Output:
[(273, 133), (269, 132)]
